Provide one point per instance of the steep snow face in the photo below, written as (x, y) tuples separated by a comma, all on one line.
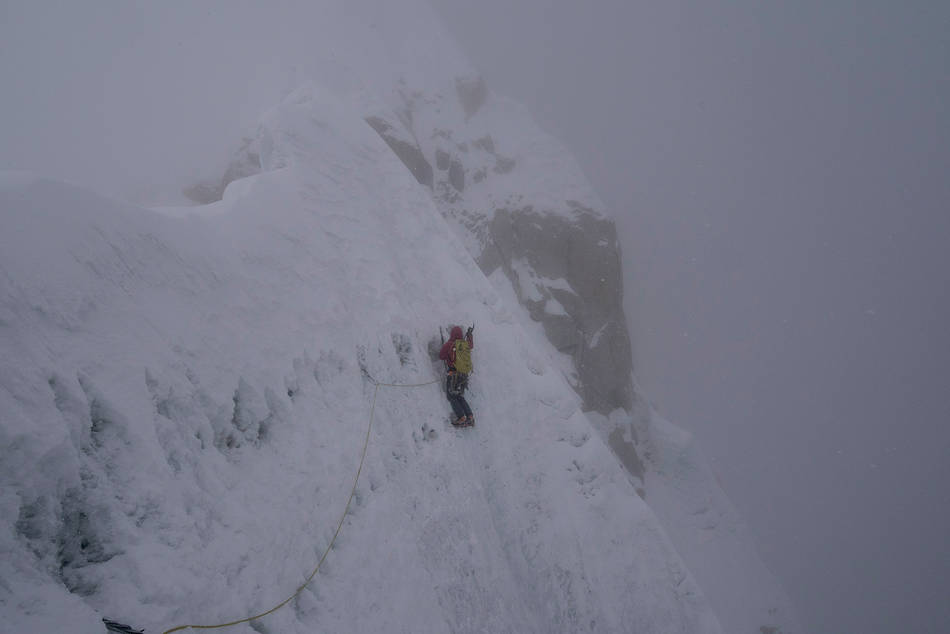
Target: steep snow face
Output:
[(185, 396), (200, 360), (505, 188), (512, 191), (521, 204)]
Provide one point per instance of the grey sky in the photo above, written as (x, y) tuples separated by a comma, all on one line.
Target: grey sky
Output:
[(135, 98), (780, 174)]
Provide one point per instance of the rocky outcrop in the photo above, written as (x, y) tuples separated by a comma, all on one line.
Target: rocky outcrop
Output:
[(567, 274), (522, 206), (405, 148), (457, 176), (561, 257)]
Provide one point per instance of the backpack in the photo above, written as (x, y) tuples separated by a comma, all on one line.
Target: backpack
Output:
[(463, 356)]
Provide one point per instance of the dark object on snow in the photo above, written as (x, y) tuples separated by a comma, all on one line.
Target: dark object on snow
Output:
[(458, 422), (120, 628), (458, 351)]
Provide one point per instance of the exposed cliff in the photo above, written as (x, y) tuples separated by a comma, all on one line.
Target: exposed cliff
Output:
[(189, 397), (523, 207)]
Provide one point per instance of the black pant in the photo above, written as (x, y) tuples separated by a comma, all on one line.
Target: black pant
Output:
[(455, 385)]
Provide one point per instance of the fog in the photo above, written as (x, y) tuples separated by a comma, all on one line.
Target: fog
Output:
[(780, 175), (136, 98)]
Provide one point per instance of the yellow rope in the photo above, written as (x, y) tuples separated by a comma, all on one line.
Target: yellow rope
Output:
[(338, 527)]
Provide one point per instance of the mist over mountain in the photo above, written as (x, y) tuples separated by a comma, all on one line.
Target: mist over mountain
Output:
[(222, 327)]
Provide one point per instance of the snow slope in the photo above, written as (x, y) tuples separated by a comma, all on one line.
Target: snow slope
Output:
[(185, 396)]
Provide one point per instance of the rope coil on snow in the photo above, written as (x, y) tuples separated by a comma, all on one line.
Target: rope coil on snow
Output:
[(339, 526)]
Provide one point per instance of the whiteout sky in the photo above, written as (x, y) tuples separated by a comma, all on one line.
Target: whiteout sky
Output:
[(779, 174), (135, 98), (779, 171)]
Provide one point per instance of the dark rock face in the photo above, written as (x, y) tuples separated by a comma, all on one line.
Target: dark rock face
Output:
[(442, 159), (457, 175), (563, 263), (561, 257), (567, 273), (407, 151), (626, 452)]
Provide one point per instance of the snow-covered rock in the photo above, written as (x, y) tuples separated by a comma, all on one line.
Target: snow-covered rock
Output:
[(185, 400), (185, 392), (521, 204), (524, 210)]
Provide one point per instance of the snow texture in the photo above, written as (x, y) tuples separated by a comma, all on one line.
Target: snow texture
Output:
[(184, 391), (185, 397)]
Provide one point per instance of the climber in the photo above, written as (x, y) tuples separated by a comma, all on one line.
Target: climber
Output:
[(457, 354)]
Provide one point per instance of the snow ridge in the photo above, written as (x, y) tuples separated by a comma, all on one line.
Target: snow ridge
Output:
[(183, 401)]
